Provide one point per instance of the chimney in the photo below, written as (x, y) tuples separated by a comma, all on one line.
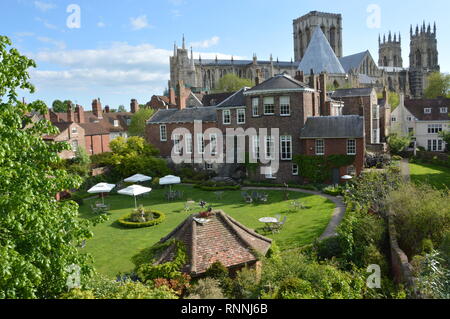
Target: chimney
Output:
[(172, 99), (323, 93), (300, 76), (134, 106), (79, 114), (107, 109), (70, 114), (181, 100), (97, 108), (385, 94)]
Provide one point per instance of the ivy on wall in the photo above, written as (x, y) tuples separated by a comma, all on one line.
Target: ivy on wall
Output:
[(317, 169)]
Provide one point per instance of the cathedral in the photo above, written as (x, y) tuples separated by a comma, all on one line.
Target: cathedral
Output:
[(318, 48)]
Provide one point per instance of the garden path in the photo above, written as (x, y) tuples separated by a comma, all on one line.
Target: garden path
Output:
[(338, 213)]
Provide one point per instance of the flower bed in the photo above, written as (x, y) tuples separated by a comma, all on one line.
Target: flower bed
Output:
[(158, 217)]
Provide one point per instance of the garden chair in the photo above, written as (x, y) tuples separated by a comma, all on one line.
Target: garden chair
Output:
[(278, 226), (264, 197), (249, 199), (278, 217)]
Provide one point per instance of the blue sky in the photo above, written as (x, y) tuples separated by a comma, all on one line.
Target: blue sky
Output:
[(122, 47)]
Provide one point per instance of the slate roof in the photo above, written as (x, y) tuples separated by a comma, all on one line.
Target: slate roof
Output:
[(349, 126), (320, 57), (416, 107), (188, 115), (278, 82), (353, 61), (215, 98), (237, 99), (355, 92), (221, 239), (228, 62)]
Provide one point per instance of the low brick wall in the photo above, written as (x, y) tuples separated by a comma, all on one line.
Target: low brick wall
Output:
[(401, 268)]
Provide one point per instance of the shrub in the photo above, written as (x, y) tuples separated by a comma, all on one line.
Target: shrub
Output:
[(328, 248), (147, 271), (207, 288), (334, 190), (178, 284), (397, 158), (397, 143), (217, 271), (294, 288), (421, 212), (127, 220)]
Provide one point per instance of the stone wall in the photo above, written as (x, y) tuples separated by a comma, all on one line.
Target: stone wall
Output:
[(402, 270)]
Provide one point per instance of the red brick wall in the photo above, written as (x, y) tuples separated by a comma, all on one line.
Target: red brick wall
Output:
[(338, 146), (97, 143), (152, 135)]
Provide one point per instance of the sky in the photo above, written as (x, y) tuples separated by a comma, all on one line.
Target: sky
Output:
[(119, 50)]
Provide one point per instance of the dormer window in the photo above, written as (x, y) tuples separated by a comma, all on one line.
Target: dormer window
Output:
[(427, 110), (116, 123), (444, 110)]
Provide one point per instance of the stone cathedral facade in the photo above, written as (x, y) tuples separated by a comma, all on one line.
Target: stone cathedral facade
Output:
[(318, 36)]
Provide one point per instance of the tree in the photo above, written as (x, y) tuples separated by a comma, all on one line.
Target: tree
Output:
[(232, 83), (139, 120), (121, 109), (446, 137), (39, 236), (393, 99), (59, 106), (134, 155), (438, 85), (397, 143)]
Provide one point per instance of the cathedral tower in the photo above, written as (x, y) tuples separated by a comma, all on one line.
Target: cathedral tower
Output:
[(182, 67), (390, 51), (331, 25), (423, 57)]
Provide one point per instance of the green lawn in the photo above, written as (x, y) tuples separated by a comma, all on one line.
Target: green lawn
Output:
[(112, 246), (437, 176)]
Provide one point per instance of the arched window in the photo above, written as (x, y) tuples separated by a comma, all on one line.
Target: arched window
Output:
[(391, 86), (333, 38), (395, 60), (430, 58), (336, 84), (418, 58), (301, 44), (385, 61)]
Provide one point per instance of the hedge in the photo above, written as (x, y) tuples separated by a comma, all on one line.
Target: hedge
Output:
[(124, 221), (218, 188), (305, 187)]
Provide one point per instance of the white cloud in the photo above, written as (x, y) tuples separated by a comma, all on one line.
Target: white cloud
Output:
[(176, 13), (61, 45), (47, 24), (24, 34), (44, 6), (206, 43), (139, 23), (101, 24)]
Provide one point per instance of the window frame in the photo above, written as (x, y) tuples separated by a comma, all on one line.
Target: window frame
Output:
[(317, 147), (269, 147), (427, 110), (201, 143), (229, 117), (443, 110), (188, 145), (238, 113), (295, 170), (255, 107), (349, 147), (284, 104), (269, 104), (177, 144), (163, 137), (286, 139)]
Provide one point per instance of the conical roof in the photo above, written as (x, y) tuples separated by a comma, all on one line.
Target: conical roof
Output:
[(320, 57), (221, 239)]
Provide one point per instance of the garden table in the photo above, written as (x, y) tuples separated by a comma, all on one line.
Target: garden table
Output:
[(269, 221)]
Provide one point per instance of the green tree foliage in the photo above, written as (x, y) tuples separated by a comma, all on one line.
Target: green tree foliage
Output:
[(139, 120), (59, 106), (421, 212), (134, 155), (121, 108), (394, 100), (438, 85), (397, 143), (446, 137), (232, 83), (39, 236), (103, 288)]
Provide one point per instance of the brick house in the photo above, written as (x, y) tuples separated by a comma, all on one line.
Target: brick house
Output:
[(222, 239), (336, 135), (97, 127), (71, 133), (281, 103), (364, 102)]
